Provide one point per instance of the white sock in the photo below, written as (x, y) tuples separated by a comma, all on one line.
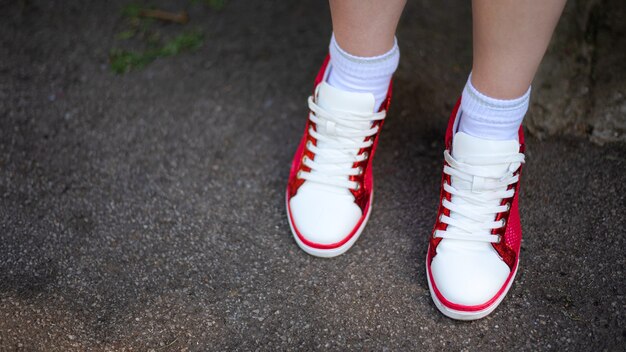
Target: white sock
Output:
[(362, 74), (490, 118)]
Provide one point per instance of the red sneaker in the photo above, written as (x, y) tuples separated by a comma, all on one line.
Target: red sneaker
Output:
[(329, 194), (474, 249)]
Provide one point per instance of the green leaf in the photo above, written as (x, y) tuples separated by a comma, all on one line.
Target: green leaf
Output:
[(122, 61), (131, 10), (126, 34)]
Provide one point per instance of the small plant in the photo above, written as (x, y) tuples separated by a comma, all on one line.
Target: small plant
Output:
[(131, 10), (141, 29), (122, 61)]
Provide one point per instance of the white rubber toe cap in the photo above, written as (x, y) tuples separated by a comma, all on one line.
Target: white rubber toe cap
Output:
[(468, 273), (323, 215)]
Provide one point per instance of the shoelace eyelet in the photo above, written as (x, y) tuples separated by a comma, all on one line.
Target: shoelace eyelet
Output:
[(508, 206), (365, 155), (358, 185), (360, 170), (299, 175), (304, 159), (503, 221)]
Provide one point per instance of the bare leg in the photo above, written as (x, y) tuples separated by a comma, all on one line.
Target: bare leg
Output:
[(510, 39), (366, 27)]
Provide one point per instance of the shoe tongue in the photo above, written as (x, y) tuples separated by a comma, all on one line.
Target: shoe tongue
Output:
[(466, 147), (333, 99)]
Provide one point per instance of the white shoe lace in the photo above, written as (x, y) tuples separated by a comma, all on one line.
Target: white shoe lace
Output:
[(477, 197), (340, 136)]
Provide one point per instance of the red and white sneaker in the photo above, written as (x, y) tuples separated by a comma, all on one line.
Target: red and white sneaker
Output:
[(329, 194), (474, 249)]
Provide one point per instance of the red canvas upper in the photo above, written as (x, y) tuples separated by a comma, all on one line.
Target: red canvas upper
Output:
[(362, 195), (509, 246)]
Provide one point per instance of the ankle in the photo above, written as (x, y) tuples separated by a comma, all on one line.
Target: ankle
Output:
[(490, 118), (362, 74)]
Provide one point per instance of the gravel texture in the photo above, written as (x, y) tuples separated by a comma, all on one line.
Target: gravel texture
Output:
[(145, 211)]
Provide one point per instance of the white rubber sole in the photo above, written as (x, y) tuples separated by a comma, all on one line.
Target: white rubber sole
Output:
[(333, 252), (463, 315)]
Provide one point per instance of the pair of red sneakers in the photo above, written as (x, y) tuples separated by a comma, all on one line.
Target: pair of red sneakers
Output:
[(474, 247)]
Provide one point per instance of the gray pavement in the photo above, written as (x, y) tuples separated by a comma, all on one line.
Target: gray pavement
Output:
[(145, 211)]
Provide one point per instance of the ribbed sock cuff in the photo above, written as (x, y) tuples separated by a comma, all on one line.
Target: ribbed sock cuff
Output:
[(374, 66), (491, 118), (362, 74)]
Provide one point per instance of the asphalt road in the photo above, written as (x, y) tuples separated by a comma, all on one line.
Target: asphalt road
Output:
[(145, 211)]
